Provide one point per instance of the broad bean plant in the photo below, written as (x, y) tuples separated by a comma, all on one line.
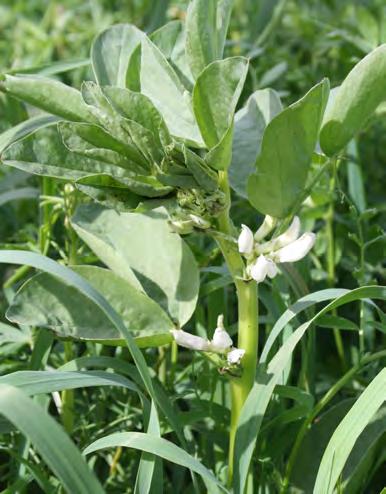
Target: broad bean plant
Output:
[(157, 154)]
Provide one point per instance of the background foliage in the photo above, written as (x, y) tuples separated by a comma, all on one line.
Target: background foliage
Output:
[(292, 46)]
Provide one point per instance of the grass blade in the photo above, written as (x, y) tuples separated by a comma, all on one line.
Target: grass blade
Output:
[(49, 439)]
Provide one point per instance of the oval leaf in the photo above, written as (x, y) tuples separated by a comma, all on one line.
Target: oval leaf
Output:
[(286, 152), (144, 243), (355, 101), (111, 52), (47, 302)]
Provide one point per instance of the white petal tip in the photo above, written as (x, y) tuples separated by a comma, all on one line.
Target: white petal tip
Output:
[(235, 355)]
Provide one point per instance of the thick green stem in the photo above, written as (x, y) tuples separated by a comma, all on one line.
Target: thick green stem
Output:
[(247, 320), (247, 340)]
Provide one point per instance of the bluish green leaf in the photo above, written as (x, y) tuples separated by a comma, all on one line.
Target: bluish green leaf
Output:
[(356, 100), (144, 243), (206, 25), (50, 95), (286, 153), (111, 52), (46, 302), (250, 123), (161, 84), (215, 97)]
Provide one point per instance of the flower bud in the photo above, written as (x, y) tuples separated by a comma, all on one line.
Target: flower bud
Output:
[(245, 241), (199, 222), (259, 269), (190, 341), (297, 249), (235, 355), (265, 228), (182, 227)]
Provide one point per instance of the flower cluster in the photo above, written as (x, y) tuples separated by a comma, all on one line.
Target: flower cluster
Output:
[(220, 343), (263, 257)]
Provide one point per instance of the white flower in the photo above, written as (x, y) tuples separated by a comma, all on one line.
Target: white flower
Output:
[(259, 270), (221, 340), (265, 228), (262, 267), (287, 247), (245, 241), (190, 341), (235, 355), (296, 250)]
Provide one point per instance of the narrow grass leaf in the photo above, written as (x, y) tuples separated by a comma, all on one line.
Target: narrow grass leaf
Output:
[(347, 432), (49, 439), (155, 445)]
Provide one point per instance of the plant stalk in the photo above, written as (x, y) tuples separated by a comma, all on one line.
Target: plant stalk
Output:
[(247, 320), (331, 261)]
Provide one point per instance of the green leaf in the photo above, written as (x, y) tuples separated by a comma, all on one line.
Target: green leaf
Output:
[(45, 301), (170, 39), (138, 107), (109, 193), (286, 152), (93, 142), (206, 28), (315, 442), (161, 84), (38, 382), (356, 100), (298, 307), (144, 243), (23, 129), (204, 175), (250, 123), (149, 463), (347, 433), (19, 194), (111, 52), (52, 68), (49, 440), (65, 274), (44, 153), (215, 97), (155, 445), (49, 95), (9, 334)]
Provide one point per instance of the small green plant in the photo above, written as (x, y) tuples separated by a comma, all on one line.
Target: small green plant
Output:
[(149, 152)]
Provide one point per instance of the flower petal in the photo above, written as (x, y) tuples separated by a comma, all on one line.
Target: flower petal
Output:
[(235, 355), (290, 235), (191, 341), (296, 250), (265, 228), (245, 240), (221, 341), (272, 269), (259, 270)]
